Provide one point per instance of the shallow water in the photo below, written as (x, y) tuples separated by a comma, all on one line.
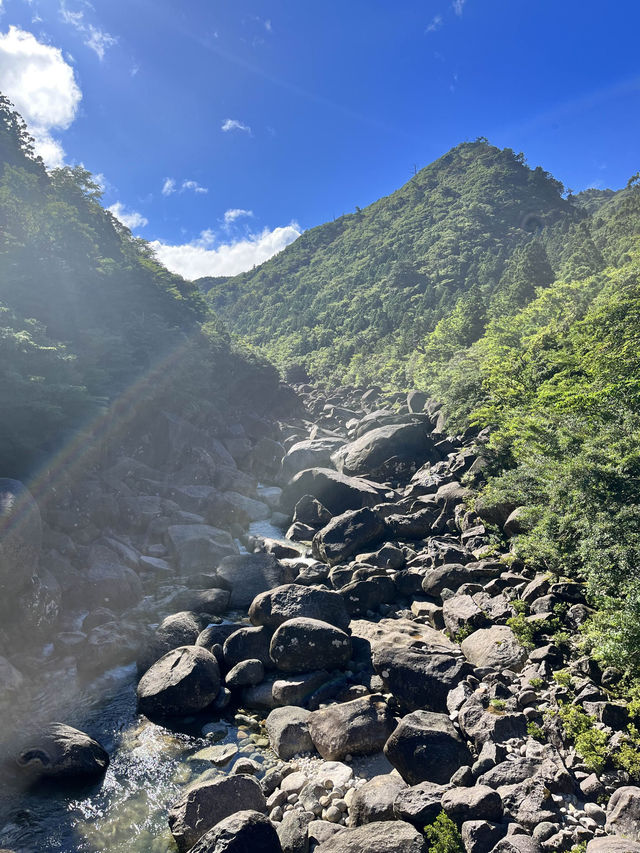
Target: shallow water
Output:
[(150, 766)]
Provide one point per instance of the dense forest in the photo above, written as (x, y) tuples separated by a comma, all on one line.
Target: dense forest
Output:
[(87, 313), (516, 304)]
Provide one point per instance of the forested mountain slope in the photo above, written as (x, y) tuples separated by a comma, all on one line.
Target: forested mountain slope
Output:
[(359, 294), (86, 312)]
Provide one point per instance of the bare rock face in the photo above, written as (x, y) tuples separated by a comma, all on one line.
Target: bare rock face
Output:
[(206, 804), (359, 727), (62, 752), (183, 681)]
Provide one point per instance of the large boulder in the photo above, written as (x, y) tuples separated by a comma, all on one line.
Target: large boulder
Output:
[(476, 803), (335, 491), (480, 722), (292, 600), (248, 643), (288, 731), (425, 747), (250, 574), (348, 534), (359, 727), (380, 837), (198, 547), (419, 678), (241, 832), (611, 844), (310, 453), (183, 681), (374, 800), (302, 644), (405, 442), (495, 648), (623, 813), (62, 752), (207, 803), (419, 804)]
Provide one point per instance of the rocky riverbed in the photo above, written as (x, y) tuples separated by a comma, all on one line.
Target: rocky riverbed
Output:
[(335, 687)]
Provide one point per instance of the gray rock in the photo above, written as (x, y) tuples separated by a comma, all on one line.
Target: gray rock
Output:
[(419, 804), (293, 832), (310, 453), (179, 629), (375, 799), (518, 844), (495, 647), (425, 747), (362, 596), (299, 689), (379, 837), (288, 731), (250, 574), (205, 804), (612, 845), (240, 832), (406, 442), (420, 677), (320, 831), (245, 674), (476, 803), (348, 534), (336, 491), (62, 752), (198, 547), (461, 611), (481, 725), (183, 681), (20, 534), (248, 644), (215, 635), (623, 813), (301, 644), (480, 836), (289, 601), (359, 727), (213, 601)]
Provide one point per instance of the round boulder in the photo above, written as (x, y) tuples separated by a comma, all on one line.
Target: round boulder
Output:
[(291, 601), (425, 747), (302, 644), (63, 752), (183, 681)]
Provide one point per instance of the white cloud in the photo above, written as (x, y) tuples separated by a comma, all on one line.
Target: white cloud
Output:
[(41, 85), (96, 39), (195, 186), (199, 258), (458, 6), (233, 124), (169, 186), (235, 213), (267, 26), (435, 24), (129, 218)]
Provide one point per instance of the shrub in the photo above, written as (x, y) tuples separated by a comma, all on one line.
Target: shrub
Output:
[(443, 836)]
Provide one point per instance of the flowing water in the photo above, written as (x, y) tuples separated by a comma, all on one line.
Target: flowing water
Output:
[(150, 766)]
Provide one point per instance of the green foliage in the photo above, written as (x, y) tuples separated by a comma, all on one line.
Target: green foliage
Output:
[(591, 744), (563, 678), (579, 848), (534, 731), (87, 312), (404, 281), (443, 836)]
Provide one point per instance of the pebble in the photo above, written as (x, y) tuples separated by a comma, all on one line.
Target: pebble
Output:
[(332, 814)]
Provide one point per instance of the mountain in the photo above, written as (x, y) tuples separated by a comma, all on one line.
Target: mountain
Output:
[(518, 309), (355, 295)]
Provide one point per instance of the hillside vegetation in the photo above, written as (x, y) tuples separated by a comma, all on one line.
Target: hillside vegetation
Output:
[(519, 309), (86, 312)]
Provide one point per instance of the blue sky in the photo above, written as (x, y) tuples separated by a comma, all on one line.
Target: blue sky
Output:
[(220, 130)]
